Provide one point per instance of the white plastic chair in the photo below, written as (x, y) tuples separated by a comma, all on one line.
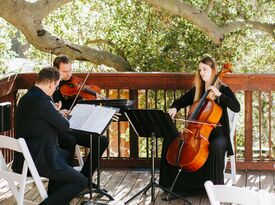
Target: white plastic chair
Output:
[(22, 180), (233, 118), (79, 158), (232, 194)]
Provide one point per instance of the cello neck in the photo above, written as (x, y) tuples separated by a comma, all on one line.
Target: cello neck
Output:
[(196, 111)]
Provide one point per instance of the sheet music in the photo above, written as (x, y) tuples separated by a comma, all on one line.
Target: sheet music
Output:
[(90, 118), (99, 119)]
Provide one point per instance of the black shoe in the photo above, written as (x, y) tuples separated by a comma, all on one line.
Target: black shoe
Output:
[(186, 193), (170, 198)]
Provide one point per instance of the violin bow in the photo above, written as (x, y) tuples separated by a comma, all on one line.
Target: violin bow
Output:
[(9, 78), (79, 90)]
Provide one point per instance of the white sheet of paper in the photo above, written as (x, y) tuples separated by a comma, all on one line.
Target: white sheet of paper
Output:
[(98, 120), (90, 118)]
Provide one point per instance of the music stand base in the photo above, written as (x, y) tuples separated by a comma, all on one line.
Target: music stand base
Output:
[(98, 191), (91, 202), (152, 185), (151, 123)]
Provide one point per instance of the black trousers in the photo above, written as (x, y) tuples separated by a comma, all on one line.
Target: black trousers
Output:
[(64, 184), (194, 181), (68, 141)]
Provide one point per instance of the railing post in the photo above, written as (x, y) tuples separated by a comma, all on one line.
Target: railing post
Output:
[(248, 127), (134, 148)]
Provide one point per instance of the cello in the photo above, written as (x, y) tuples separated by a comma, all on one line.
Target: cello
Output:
[(190, 150)]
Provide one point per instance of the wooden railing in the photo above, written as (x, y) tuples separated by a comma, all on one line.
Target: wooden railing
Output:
[(255, 132)]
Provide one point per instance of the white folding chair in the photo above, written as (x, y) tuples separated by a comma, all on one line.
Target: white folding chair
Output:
[(79, 158), (233, 118), (267, 198), (231, 194), (22, 180)]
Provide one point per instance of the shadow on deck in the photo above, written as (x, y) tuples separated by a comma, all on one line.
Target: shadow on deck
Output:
[(123, 184)]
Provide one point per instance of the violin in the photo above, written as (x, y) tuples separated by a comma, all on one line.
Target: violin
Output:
[(190, 150), (73, 86)]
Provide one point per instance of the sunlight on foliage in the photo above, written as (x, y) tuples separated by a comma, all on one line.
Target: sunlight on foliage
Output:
[(153, 40)]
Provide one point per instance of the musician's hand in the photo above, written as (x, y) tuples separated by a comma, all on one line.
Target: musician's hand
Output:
[(100, 96), (58, 105), (215, 90), (172, 112), (65, 113), (116, 117)]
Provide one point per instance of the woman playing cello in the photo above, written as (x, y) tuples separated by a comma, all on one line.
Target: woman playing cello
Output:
[(193, 182)]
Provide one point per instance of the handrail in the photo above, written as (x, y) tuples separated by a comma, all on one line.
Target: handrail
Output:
[(143, 86)]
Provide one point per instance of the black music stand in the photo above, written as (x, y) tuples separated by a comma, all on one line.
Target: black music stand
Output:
[(5, 116), (97, 189), (152, 123), (122, 104)]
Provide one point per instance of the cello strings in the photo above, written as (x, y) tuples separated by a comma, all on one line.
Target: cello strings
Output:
[(198, 122)]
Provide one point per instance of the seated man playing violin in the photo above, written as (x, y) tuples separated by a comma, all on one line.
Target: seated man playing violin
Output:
[(68, 140)]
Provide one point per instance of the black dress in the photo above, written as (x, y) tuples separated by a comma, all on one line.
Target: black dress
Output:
[(219, 143)]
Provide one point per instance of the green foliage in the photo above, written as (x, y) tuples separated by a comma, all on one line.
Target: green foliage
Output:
[(6, 33), (153, 40), (150, 40)]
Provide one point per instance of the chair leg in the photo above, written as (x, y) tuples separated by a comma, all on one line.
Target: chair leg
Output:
[(233, 169)]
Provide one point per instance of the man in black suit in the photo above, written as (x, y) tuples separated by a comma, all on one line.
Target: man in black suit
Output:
[(68, 140), (38, 122)]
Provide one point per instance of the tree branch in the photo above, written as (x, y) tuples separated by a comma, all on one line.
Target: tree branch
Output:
[(45, 7), (268, 28), (196, 16), (99, 41), (209, 7), (28, 20), (204, 23)]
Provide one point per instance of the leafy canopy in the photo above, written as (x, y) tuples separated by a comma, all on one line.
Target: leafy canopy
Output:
[(153, 40)]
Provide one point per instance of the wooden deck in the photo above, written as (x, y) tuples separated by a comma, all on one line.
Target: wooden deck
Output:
[(122, 184)]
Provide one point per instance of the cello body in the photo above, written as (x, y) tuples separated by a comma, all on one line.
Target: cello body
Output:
[(190, 150)]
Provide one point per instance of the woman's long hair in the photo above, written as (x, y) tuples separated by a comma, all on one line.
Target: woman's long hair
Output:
[(199, 83)]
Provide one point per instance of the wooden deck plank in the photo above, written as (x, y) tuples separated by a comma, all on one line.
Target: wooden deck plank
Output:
[(10, 200), (33, 194), (253, 180), (113, 183), (204, 199), (159, 196), (142, 180), (123, 184), (267, 181), (124, 188), (105, 176), (241, 178), (4, 191)]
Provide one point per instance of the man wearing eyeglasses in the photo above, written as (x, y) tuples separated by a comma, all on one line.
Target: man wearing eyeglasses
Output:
[(38, 122)]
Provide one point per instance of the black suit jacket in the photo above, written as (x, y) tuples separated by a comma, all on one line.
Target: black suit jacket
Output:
[(38, 122)]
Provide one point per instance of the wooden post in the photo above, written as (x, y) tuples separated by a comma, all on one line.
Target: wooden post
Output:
[(248, 127), (134, 149)]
